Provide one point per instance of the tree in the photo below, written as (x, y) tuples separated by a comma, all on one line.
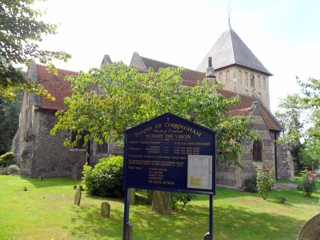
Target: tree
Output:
[(289, 114), (311, 100), (20, 30), (9, 121), (106, 101)]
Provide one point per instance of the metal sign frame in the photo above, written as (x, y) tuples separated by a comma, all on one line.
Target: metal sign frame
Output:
[(169, 153)]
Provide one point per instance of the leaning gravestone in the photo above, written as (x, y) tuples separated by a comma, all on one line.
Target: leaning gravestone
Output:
[(311, 229), (77, 197)]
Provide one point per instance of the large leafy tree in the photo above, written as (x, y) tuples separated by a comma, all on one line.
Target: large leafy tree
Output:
[(310, 100), (20, 31), (9, 121), (290, 115), (106, 101)]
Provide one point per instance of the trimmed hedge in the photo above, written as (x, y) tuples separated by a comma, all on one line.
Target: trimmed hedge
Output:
[(105, 179)]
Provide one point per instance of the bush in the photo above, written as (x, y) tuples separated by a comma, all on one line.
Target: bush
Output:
[(6, 159), (105, 179), (282, 199), (13, 169), (183, 198), (265, 180), (250, 184), (309, 183)]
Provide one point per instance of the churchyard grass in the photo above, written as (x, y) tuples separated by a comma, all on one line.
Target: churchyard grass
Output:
[(46, 211)]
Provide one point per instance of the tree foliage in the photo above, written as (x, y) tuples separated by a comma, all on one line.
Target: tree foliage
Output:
[(106, 101), (290, 115), (20, 31), (9, 121)]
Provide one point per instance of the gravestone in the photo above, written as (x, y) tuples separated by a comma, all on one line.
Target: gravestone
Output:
[(206, 236), (311, 229), (77, 197), (105, 209)]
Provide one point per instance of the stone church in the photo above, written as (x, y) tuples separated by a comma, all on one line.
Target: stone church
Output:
[(235, 66)]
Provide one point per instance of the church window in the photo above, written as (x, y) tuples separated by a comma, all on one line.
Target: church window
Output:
[(227, 77), (252, 81), (257, 151), (102, 148), (240, 77), (80, 142), (246, 78), (259, 82)]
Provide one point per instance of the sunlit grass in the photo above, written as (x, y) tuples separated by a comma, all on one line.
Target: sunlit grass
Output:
[(46, 211)]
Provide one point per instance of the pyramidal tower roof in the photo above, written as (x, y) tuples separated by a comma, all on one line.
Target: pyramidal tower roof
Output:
[(231, 50)]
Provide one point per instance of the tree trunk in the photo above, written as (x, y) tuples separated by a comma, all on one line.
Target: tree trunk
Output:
[(160, 202)]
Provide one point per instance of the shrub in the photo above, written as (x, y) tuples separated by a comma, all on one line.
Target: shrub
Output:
[(13, 169), (250, 184), (309, 183), (183, 198), (105, 179), (265, 180), (6, 159), (282, 199)]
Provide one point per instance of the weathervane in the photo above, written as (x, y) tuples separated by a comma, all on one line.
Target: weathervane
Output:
[(229, 13)]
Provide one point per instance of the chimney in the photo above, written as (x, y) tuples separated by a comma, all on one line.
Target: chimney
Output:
[(210, 73)]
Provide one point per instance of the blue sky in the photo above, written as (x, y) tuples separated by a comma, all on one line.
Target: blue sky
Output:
[(283, 34)]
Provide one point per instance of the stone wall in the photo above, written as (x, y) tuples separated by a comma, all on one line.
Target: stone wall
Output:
[(285, 164), (234, 176), (51, 158), (39, 153)]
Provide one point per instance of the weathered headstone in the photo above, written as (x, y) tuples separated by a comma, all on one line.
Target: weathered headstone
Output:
[(105, 209), (160, 202), (206, 236), (311, 229), (76, 172), (77, 197)]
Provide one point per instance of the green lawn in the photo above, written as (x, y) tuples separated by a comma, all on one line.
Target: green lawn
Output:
[(46, 211)]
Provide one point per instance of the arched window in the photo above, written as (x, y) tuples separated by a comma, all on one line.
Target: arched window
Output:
[(257, 151), (252, 80)]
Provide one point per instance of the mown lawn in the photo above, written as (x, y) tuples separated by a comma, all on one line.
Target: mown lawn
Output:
[(46, 211)]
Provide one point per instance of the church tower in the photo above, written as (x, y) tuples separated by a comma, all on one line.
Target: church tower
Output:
[(237, 68)]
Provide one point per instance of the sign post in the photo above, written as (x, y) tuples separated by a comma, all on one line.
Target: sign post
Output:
[(169, 153)]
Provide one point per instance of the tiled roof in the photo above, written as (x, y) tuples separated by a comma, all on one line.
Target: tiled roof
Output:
[(56, 85), (231, 50), (60, 89), (242, 108)]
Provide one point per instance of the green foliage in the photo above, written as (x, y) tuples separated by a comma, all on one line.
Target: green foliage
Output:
[(250, 184), (181, 197), (105, 179), (13, 170), (311, 153), (309, 183), (21, 29), (290, 116), (265, 180), (126, 98), (6, 159), (9, 121)]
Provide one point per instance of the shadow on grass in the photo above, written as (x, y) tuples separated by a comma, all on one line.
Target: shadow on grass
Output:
[(229, 223), (89, 224)]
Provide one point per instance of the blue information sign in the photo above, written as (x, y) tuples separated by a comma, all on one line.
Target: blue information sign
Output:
[(172, 154)]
